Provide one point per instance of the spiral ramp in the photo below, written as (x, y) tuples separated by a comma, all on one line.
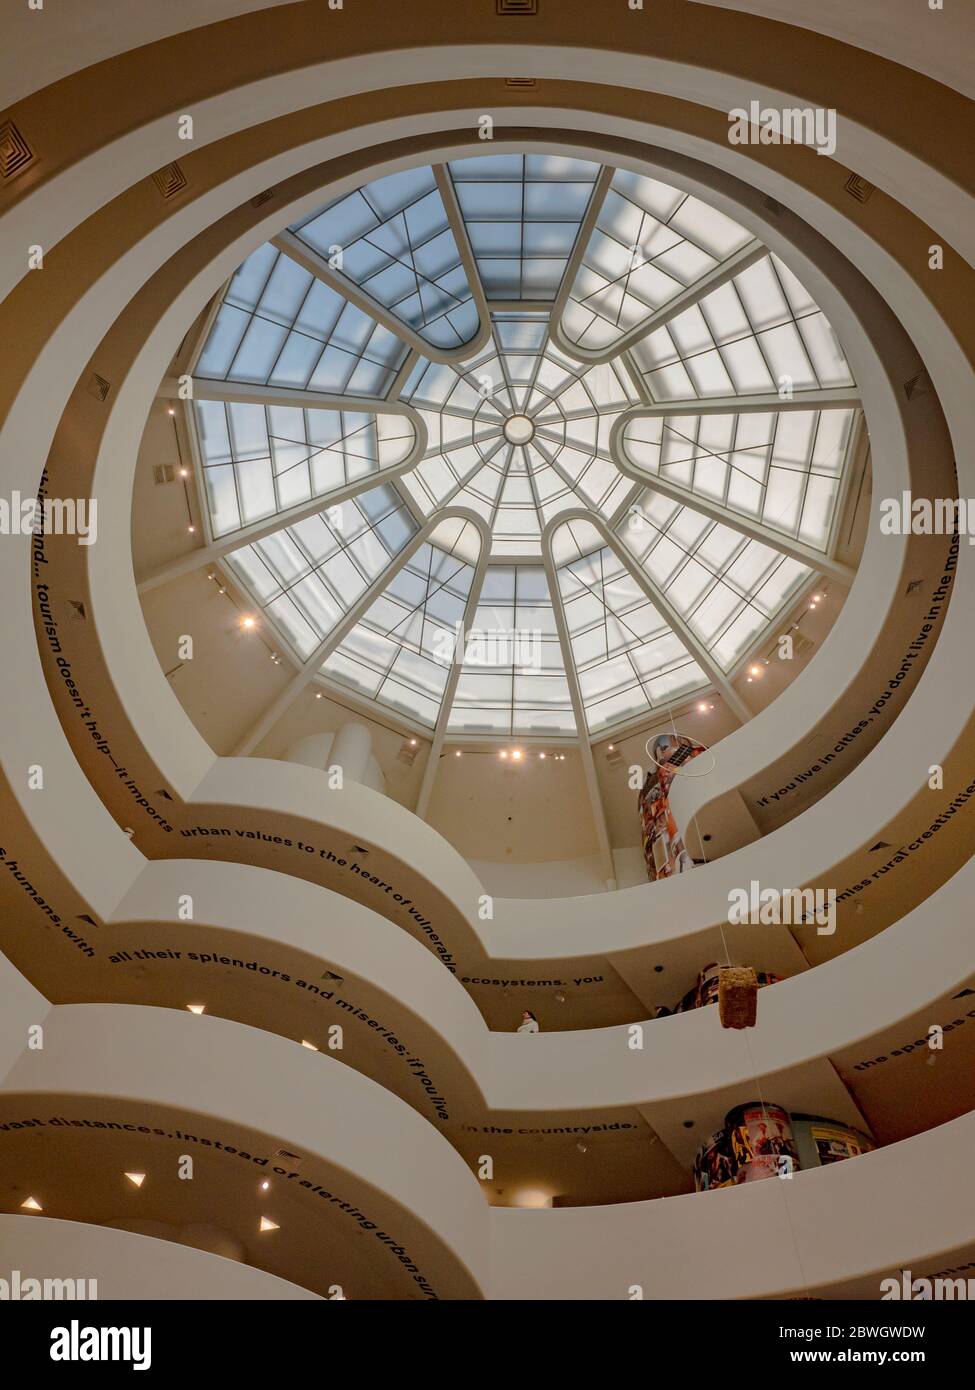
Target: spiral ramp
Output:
[(354, 1106)]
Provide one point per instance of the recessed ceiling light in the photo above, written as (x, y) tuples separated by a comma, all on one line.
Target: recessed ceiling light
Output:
[(136, 1178), (247, 622), (503, 753), (318, 696), (703, 707), (264, 1186), (196, 1008), (31, 1204), (184, 472), (611, 747), (412, 742), (755, 670), (191, 529), (457, 754), (171, 411), (268, 1225), (542, 755), (517, 754)]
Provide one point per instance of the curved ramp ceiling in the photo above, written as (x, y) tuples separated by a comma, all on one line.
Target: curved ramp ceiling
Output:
[(364, 373)]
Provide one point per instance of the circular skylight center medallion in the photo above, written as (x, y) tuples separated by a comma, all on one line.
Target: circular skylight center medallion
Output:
[(519, 429)]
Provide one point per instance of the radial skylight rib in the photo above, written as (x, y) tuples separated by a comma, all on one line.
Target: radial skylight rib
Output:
[(397, 246), (783, 469), (306, 576), (760, 332), (513, 678), (260, 460), (401, 650), (726, 588), (628, 659), (279, 326), (650, 243), (522, 213)]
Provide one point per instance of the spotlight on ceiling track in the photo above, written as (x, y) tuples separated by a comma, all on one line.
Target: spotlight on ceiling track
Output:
[(197, 1008), (137, 1179), (268, 1225), (31, 1204)]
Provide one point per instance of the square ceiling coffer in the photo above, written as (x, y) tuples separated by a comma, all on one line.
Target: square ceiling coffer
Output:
[(170, 180), (15, 153)]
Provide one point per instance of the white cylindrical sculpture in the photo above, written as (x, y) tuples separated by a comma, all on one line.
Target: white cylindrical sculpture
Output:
[(350, 749), (311, 751)]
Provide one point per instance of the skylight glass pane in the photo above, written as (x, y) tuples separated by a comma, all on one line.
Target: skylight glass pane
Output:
[(751, 335), (401, 650), (522, 213), (781, 468), (512, 680), (393, 240), (650, 243), (278, 326), (259, 460), (627, 658), (727, 588), (306, 576)]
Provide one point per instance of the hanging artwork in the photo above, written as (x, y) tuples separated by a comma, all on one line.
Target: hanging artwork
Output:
[(663, 841)]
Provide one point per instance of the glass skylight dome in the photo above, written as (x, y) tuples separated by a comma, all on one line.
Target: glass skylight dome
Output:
[(571, 412)]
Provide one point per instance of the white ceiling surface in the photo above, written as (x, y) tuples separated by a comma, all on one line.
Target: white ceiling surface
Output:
[(42, 46), (61, 39), (939, 43)]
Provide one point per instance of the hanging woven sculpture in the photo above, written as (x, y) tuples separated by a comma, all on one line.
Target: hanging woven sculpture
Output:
[(738, 996)]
